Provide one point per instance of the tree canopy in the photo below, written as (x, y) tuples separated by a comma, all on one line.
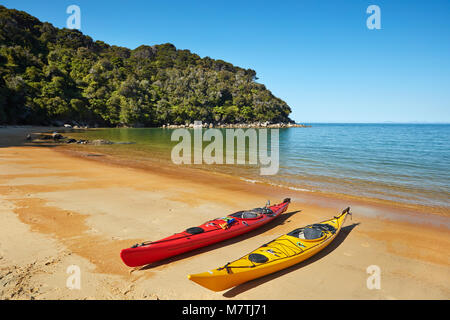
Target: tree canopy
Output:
[(49, 74)]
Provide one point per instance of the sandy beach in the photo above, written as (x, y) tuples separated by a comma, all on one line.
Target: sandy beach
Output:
[(59, 208)]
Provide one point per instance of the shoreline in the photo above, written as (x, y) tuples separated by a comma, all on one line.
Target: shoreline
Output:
[(77, 209), (149, 163), (421, 214)]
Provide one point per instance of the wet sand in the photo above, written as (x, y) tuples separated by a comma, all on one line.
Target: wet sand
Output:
[(59, 208)]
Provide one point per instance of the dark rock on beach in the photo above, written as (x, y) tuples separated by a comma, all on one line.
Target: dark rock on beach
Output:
[(57, 136), (101, 142)]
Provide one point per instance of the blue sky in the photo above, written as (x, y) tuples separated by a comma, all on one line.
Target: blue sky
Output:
[(317, 55)]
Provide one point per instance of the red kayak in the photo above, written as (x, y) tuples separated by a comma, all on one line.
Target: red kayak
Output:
[(208, 233)]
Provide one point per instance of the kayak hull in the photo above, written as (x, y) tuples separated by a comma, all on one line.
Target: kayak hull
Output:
[(183, 242), (243, 270)]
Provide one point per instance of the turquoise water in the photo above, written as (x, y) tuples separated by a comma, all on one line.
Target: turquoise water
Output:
[(407, 163), (401, 162)]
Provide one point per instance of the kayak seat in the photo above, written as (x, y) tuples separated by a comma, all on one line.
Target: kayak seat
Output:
[(252, 214), (249, 215), (246, 214), (307, 233), (312, 233)]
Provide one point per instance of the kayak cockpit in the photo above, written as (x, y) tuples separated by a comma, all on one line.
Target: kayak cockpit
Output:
[(255, 213), (312, 232)]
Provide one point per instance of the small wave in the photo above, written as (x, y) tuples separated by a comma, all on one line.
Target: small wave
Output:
[(290, 188), (276, 185), (299, 189), (250, 180)]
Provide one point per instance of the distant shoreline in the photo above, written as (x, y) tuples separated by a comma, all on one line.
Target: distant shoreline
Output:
[(231, 125), (256, 125)]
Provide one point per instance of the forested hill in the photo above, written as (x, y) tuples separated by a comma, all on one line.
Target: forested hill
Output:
[(50, 75)]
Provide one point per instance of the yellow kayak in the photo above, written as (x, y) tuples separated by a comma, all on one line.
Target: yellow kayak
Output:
[(278, 254)]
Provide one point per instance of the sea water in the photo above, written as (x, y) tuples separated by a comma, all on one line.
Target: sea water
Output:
[(408, 163)]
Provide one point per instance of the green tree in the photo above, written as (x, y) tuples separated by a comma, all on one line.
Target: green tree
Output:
[(49, 74)]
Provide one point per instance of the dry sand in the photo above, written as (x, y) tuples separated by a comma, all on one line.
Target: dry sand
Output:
[(58, 210)]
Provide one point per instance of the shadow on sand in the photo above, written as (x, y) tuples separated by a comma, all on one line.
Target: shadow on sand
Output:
[(278, 221), (345, 231)]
